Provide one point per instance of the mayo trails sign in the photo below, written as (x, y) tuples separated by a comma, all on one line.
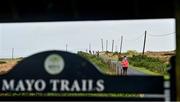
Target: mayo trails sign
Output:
[(63, 72)]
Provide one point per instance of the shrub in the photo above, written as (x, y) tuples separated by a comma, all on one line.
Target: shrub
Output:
[(94, 59), (132, 52), (150, 63), (2, 62), (115, 53)]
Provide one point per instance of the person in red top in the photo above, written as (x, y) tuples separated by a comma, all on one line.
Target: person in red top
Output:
[(125, 65)]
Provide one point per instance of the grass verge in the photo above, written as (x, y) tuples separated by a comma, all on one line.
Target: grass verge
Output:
[(98, 62), (148, 72)]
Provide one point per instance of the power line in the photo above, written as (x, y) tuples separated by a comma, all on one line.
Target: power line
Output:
[(161, 35), (152, 35), (137, 38)]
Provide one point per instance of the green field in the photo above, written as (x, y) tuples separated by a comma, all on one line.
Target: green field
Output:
[(153, 64)]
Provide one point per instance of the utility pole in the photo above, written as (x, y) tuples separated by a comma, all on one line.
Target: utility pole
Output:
[(121, 44), (66, 47), (112, 45), (144, 43), (102, 44), (115, 48), (89, 47), (12, 53), (106, 45)]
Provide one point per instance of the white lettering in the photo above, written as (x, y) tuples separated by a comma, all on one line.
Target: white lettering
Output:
[(100, 85), (54, 84), (29, 84), (7, 86), (40, 85), (84, 85), (90, 85), (20, 86), (75, 86), (64, 85)]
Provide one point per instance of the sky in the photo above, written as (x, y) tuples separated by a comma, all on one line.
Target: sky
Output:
[(30, 38)]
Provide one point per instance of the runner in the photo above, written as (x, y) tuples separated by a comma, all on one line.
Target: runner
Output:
[(125, 65)]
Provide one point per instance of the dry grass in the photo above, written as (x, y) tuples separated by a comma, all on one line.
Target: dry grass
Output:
[(6, 67), (109, 55), (163, 55)]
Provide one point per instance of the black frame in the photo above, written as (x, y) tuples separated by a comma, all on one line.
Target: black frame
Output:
[(83, 10)]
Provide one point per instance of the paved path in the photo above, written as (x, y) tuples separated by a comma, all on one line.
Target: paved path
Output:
[(132, 71)]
